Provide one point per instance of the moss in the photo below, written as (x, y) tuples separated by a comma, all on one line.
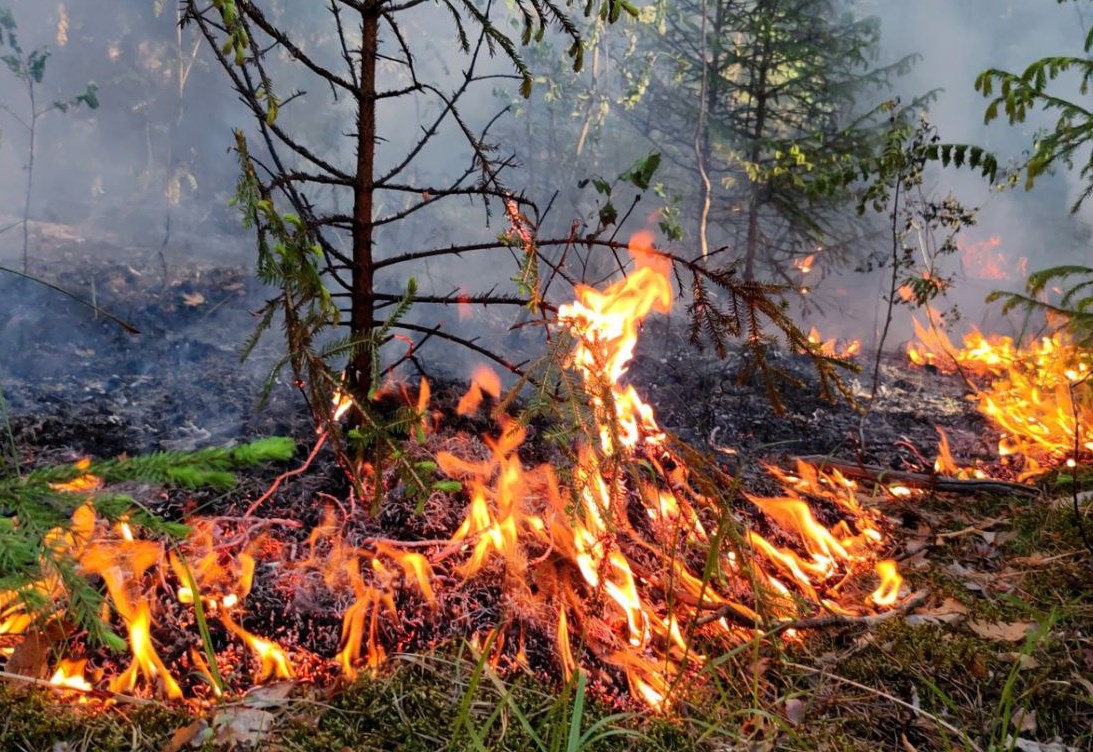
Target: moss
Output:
[(37, 721)]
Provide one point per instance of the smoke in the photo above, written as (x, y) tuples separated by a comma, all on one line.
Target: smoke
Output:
[(1017, 230), (150, 167)]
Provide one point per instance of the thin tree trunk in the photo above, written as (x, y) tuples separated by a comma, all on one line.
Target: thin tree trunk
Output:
[(759, 86), (362, 312)]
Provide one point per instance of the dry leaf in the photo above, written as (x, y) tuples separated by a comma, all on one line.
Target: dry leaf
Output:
[(30, 657), (269, 695), (191, 735), (999, 630), (1024, 720), (240, 725), (948, 611), (1028, 745), (1023, 659), (795, 711), (193, 299)]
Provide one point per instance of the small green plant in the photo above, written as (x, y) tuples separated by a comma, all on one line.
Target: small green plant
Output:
[(1001, 739), (30, 68), (922, 228)]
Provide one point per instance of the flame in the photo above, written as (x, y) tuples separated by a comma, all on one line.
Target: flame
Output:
[(577, 538), (223, 582), (946, 465), (890, 583), (484, 381), (618, 559), (1038, 395), (70, 675), (831, 347), (805, 265)]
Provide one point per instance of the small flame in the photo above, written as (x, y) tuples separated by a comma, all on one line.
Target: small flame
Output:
[(70, 674), (832, 347), (890, 583)]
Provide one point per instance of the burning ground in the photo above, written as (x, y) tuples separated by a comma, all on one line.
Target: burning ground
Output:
[(777, 615)]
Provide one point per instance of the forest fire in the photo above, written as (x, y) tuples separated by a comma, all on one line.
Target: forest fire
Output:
[(634, 563), (1038, 394)]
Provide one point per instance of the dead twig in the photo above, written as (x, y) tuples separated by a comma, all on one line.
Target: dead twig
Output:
[(286, 475), (924, 481)]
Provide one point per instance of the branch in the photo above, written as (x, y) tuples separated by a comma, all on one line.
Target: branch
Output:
[(924, 481)]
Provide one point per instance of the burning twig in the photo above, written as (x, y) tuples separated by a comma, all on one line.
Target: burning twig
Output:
[(926, 481), (100, 694)]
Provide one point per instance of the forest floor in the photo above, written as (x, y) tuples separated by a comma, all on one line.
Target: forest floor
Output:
[(997, 654)]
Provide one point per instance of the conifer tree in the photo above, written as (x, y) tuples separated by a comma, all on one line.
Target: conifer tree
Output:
[(768, 108)]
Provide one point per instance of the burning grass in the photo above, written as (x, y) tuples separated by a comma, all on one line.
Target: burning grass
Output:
[(637, 563), (628, 571)]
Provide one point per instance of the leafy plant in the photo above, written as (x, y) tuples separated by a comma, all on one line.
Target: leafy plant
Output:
[(30, 68), (922, 228), (1018, 94)]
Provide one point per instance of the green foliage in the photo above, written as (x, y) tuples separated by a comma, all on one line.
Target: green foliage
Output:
[(640, 175), (923, 228), (38, 513), (1016, 95), (765, 105), (1073, 304)]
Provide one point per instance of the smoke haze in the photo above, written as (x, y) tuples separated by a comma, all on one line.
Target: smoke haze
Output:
[(151, 164)]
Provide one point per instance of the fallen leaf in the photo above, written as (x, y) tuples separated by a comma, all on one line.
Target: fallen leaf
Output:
[(1024, 720), (269, 695), (240, 725), (1024, 661), (999, 630), (969, 578), (30, 657), (191, 735), (795, 710), (1028, 745), (948, 611), (193, 299)]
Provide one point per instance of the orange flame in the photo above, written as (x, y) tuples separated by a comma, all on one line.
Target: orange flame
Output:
[(1038, 395)]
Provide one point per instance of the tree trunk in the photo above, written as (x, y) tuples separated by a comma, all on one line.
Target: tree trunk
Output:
[(760, 92), (362, 310)]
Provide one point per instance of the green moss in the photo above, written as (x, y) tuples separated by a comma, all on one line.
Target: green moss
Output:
[(38, 721)]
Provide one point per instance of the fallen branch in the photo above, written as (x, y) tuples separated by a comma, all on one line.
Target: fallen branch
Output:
[(925, 481), (838, 620), (99, 694)]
